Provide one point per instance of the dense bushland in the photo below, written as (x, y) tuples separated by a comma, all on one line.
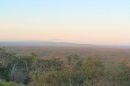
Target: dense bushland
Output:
[(71, 70)]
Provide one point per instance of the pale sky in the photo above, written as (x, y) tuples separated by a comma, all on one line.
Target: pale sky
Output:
[(79, 21)]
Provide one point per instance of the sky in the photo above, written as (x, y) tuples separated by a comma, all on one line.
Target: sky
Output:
[(79, 21)]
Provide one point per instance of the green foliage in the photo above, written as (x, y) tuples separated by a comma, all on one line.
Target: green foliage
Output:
[(70, 71), (4, 83), (118, 74), (93, 71)]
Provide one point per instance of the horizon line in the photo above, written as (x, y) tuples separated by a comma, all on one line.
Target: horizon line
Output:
[(97, 44)]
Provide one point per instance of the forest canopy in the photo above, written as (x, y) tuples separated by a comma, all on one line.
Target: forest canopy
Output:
[(71, 70)]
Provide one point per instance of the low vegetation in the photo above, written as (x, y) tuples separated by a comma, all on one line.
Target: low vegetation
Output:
[(71, 70)]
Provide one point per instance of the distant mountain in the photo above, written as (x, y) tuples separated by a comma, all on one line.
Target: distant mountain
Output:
[(60, 44)]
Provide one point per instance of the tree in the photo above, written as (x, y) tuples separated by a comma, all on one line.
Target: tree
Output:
[(93, 70)]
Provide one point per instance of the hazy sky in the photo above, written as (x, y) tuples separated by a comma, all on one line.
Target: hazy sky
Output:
[(81, 21)]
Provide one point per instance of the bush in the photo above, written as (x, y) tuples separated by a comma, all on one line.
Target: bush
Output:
[(4, 83)]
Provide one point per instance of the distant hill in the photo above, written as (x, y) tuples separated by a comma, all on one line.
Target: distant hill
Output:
[(58, 44)]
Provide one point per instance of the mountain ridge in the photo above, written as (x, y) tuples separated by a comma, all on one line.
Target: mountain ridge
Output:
[(46, 43), (57, 44)]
